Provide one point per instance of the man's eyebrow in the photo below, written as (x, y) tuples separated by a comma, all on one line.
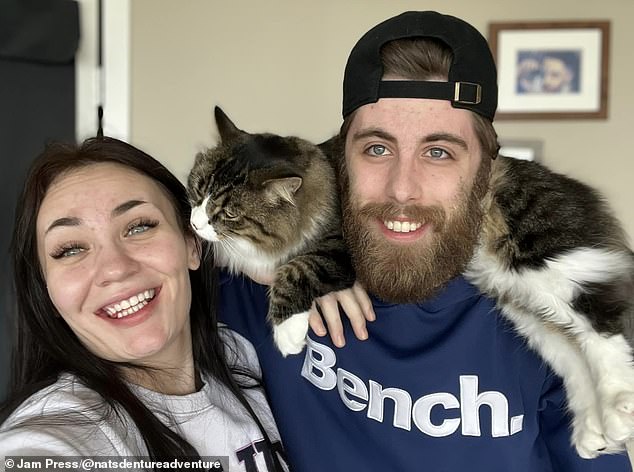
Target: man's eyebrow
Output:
[(449, 137), (74, 221), (430, 138), (373, 133)]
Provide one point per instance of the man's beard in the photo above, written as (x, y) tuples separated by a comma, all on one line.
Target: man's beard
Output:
[(412, 272)]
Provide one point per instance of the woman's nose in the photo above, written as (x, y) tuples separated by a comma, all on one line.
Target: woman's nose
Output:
[(114, 264)]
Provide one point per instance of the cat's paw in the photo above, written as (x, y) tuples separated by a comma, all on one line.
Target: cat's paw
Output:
[(618, 416), (587, 435), (290, 335)]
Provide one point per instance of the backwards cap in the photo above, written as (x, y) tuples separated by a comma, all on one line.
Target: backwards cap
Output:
[(472, 80)]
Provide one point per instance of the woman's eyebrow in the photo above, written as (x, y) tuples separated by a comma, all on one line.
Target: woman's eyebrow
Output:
[(74, 221), (66, 221), (125, 206)]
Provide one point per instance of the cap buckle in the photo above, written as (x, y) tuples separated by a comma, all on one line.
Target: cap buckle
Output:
[(467, 93)]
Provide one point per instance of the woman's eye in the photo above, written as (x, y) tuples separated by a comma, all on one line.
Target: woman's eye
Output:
[(377, 150), (140, 227), (67, 250)]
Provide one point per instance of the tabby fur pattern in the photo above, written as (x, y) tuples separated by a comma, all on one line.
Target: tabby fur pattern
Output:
[(558, 264), (550, 252), (270, 206)]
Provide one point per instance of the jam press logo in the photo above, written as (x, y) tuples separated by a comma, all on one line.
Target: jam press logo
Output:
[(319, 369)]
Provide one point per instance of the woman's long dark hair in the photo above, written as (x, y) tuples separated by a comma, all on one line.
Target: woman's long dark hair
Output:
[(46, 346)]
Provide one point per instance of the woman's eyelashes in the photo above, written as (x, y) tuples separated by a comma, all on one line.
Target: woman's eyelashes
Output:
[(67, 249), (139, 226)]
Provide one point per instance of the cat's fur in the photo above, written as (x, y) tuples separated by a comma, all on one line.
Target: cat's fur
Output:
[(550, 252), (270, 206), (559, 266)]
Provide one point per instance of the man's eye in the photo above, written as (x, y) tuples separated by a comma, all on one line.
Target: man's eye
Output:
[(438, 153), (377, 150)]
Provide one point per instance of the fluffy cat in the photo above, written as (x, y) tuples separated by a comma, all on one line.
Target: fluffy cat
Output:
[(270, 206), (559, 266), (550, 252)]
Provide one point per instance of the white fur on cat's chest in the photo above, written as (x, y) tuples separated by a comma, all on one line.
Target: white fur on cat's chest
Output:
[(243, 257)]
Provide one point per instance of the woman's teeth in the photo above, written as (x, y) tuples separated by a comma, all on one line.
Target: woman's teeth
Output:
[(402, 226), (130, 305)]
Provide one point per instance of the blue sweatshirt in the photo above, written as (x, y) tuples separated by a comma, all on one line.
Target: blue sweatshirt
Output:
[(441, 386)]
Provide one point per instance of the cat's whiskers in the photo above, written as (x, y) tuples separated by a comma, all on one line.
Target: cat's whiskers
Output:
[(228, 243), (208, 251)]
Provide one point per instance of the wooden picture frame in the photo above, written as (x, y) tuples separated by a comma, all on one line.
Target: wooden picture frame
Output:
[(551, 70)]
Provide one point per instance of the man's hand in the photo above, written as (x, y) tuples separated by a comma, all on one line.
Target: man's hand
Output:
[(355, 303)]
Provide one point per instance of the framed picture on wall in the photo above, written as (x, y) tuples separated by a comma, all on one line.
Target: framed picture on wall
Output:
[(551, 69), (526, 149)]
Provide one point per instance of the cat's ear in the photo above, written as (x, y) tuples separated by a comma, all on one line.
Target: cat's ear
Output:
[(227, 130), (332, 148), (328, 147), (284, 188)]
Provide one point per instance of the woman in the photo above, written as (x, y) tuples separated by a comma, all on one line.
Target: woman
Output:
[(118, 349)]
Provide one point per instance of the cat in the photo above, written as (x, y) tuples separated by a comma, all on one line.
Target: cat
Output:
[(549, 252), (270, 206), (557, 262)]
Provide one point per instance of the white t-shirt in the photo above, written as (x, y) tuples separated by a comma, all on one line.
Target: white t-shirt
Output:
[(67, 419)]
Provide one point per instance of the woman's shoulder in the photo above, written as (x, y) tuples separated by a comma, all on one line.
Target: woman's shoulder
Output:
[(65, 417), (67, 394)]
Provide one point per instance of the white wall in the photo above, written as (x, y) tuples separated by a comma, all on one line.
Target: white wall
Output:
[(277, 65)]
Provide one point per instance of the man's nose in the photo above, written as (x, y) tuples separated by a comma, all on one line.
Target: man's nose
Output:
[(404, 181)]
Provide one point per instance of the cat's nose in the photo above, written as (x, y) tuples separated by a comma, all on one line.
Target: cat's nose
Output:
[(199, 218)]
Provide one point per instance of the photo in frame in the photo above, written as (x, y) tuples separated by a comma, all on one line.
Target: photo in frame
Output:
[(525, 149), (551, 70)]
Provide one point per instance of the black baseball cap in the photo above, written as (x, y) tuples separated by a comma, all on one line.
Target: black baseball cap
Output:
[(472, 80)]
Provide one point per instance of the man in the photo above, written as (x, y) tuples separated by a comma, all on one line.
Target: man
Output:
[(442, 383), (549, 72), (558, 73)]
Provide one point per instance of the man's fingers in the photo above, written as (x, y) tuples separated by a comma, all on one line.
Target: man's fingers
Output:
[(354, 312), (363, 299), (316, 322), (330, 312)]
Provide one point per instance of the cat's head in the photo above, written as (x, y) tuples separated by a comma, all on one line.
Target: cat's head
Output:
[(252, 187)]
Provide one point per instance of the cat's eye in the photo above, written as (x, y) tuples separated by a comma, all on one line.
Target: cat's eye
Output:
[(230, 215)]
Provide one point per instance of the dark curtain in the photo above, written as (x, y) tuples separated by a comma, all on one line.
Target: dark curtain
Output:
[(38, 42)]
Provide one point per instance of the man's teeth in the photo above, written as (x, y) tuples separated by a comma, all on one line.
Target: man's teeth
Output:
[(131, 305), (402, 226)]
